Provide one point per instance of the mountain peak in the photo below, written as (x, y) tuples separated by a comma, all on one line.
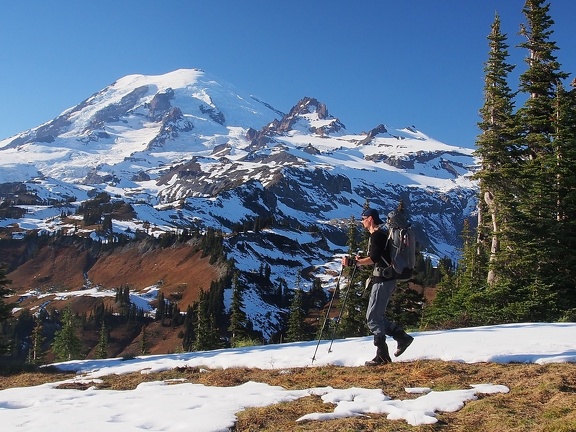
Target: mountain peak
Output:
[(185, 139), (308, 116), (186, 151)]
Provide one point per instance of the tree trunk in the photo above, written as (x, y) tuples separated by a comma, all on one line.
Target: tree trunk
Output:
[(495, 247)]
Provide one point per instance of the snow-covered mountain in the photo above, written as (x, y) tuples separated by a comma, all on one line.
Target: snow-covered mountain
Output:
[(185, 149)]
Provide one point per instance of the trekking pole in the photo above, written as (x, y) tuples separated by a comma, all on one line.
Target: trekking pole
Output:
[(327, 313), (343, 306)]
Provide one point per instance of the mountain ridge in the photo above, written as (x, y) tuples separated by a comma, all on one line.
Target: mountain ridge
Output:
[(185, 151)]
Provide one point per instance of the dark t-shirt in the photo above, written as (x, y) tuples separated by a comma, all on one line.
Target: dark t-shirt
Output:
[(377, 247)]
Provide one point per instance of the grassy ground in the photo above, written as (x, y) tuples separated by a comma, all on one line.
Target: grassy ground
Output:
[(542, 398)]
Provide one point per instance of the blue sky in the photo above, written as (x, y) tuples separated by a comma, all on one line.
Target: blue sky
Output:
[(400, 63)]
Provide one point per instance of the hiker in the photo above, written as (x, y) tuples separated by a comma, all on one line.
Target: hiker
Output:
[(383, 283)]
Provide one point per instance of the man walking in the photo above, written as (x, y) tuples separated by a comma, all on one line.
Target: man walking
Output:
[(383, 286)]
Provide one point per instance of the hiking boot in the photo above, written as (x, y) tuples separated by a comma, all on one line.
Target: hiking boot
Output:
[(404, 340), (382, 356), (377, 361)]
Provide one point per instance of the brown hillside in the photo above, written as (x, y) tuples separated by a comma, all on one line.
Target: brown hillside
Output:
[(180, 271), (51, 267), (53, 276)]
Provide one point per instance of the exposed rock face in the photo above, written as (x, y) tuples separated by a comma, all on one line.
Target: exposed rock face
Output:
[(308, 106), (160, 104), (172, 124), (213, 113), (380, 129)]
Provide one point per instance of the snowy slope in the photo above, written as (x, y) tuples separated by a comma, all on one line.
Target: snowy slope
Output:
[(185, 403)]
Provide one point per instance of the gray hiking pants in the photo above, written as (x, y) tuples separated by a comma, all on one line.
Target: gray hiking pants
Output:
[(376, 312)]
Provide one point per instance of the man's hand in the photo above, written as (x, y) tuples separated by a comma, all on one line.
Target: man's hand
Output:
[(348, 262)]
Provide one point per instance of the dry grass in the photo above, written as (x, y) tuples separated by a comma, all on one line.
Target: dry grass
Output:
[(542, 398)]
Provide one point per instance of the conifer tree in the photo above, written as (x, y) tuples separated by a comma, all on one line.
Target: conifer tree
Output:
[(565, 139), (67, 345), (238, 319), (5, 309), (143, 341), (540, 80), (444, 310), (161, 308), (317, 297), (497, 146), (353, 318), (176, 316), (37, 353), (353, 302), (297, 329), (458, 300), (471, 265), (203, 324), (527, 183), (188, 333), (352, 238), (102, 347), (537, 241), (126, 295), (406, 306)]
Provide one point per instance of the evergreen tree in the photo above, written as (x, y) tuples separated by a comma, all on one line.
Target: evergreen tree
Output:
[(143, 341), (317, 297), (406, 306), (238, 319), (267, 272), (5, 309), (203, 324), (176, 316), (161, 308), (457, 302), (297, 329), (353, 298), (354, 301), (540, 80), (565, 137), (20, 334), (67, 345), (216, 301), (188, 336), (126, 295), (444, 311), (537, 241), (352, 238), (36, 354), (471, 265), (102, 347), (498, 149), (283, 293), (527, 213), (214, 333)]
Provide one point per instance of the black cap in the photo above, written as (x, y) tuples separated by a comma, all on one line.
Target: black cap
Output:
[(372, 212)]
